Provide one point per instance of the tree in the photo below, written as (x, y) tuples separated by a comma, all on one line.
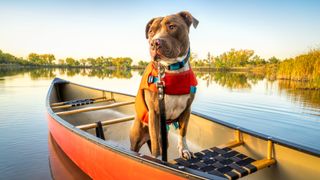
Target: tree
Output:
[(122, 62), (274, 60), (71, 62), (103, 62), (257, 60), (142, 63), (34, 58), (91, 61), (83, 62), (48, 58), (234, 58), (41, 59)]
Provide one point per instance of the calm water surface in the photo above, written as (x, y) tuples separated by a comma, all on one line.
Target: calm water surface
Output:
[(275, 108)]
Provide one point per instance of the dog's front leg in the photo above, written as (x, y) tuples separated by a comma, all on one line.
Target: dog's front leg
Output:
[(183, 149), (154, 133)]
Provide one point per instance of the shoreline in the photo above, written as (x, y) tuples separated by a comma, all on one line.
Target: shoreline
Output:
[(259, 71), (231, 69)]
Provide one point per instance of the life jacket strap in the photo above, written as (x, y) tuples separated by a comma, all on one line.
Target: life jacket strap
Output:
[(193, 89)]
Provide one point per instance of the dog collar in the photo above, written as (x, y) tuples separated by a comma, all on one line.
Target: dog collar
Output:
[(179, 65)]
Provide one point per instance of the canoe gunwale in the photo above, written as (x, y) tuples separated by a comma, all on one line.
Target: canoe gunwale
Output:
[(187, 173), (282, 142)]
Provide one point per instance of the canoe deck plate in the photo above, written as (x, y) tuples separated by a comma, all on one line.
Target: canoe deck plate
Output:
[(224, 162)]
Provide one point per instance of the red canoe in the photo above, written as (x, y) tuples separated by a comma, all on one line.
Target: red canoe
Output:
[(101, 150)]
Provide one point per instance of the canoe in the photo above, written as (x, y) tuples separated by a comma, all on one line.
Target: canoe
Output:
[(91, 126), (61, 167)]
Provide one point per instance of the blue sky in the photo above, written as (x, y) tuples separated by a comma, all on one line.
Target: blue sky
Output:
[(116, 28)]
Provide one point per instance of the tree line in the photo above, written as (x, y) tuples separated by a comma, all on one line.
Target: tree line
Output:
[(231, 59), (302, 67), (35, 59), (102, 62), (6, 58)]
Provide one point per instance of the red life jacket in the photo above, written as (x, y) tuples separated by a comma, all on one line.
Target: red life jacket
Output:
[(175, 84)]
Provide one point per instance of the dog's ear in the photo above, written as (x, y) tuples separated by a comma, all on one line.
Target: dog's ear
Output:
[(189, 19), (148, 27)]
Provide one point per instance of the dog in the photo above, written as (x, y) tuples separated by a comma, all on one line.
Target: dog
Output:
[(168, 38)]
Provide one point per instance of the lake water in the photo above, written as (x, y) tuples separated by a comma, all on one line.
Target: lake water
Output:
[(278, 109)]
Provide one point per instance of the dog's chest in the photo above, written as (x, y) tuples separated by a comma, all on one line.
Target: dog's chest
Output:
[(175, 105)]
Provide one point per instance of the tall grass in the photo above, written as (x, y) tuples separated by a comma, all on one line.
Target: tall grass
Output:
[(305, 67)]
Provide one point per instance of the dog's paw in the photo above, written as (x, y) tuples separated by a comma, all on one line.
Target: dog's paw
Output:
[(156, 153), (185, 153)]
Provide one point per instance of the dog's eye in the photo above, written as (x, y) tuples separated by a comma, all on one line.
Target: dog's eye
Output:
[(171, 27)]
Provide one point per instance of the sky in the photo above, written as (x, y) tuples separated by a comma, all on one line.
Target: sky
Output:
[(92, 28)]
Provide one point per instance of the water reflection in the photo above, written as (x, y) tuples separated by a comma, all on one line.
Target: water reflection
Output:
[(11, 71), (41, 73), (61, 167), (36, 73), (306, 93), (298, 93), (231, 80)]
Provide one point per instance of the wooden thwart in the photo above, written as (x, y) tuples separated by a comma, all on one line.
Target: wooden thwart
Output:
[(94, 108), (72, 105), (106, 122)]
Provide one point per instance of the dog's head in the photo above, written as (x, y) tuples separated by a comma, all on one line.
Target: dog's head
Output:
[(169, 36)]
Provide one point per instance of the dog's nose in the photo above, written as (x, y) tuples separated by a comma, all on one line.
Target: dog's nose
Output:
[(157, 43)]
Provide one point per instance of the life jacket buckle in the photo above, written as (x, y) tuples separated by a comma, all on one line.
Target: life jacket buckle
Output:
[(152, 79)]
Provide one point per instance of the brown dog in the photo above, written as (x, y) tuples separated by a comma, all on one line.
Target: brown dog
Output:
[(169, 44)]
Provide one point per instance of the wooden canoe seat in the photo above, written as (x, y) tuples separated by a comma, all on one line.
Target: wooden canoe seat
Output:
[(95, 108), (80, 102), (106, 122), (75, 101), (226, 162), (99, 125)]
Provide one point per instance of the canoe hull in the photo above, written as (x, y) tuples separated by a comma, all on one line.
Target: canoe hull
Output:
[(99, 162), (61, 167)]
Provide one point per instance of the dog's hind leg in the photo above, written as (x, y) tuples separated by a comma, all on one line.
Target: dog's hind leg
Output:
[(138, 135), (151, 100), (154, 133)]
